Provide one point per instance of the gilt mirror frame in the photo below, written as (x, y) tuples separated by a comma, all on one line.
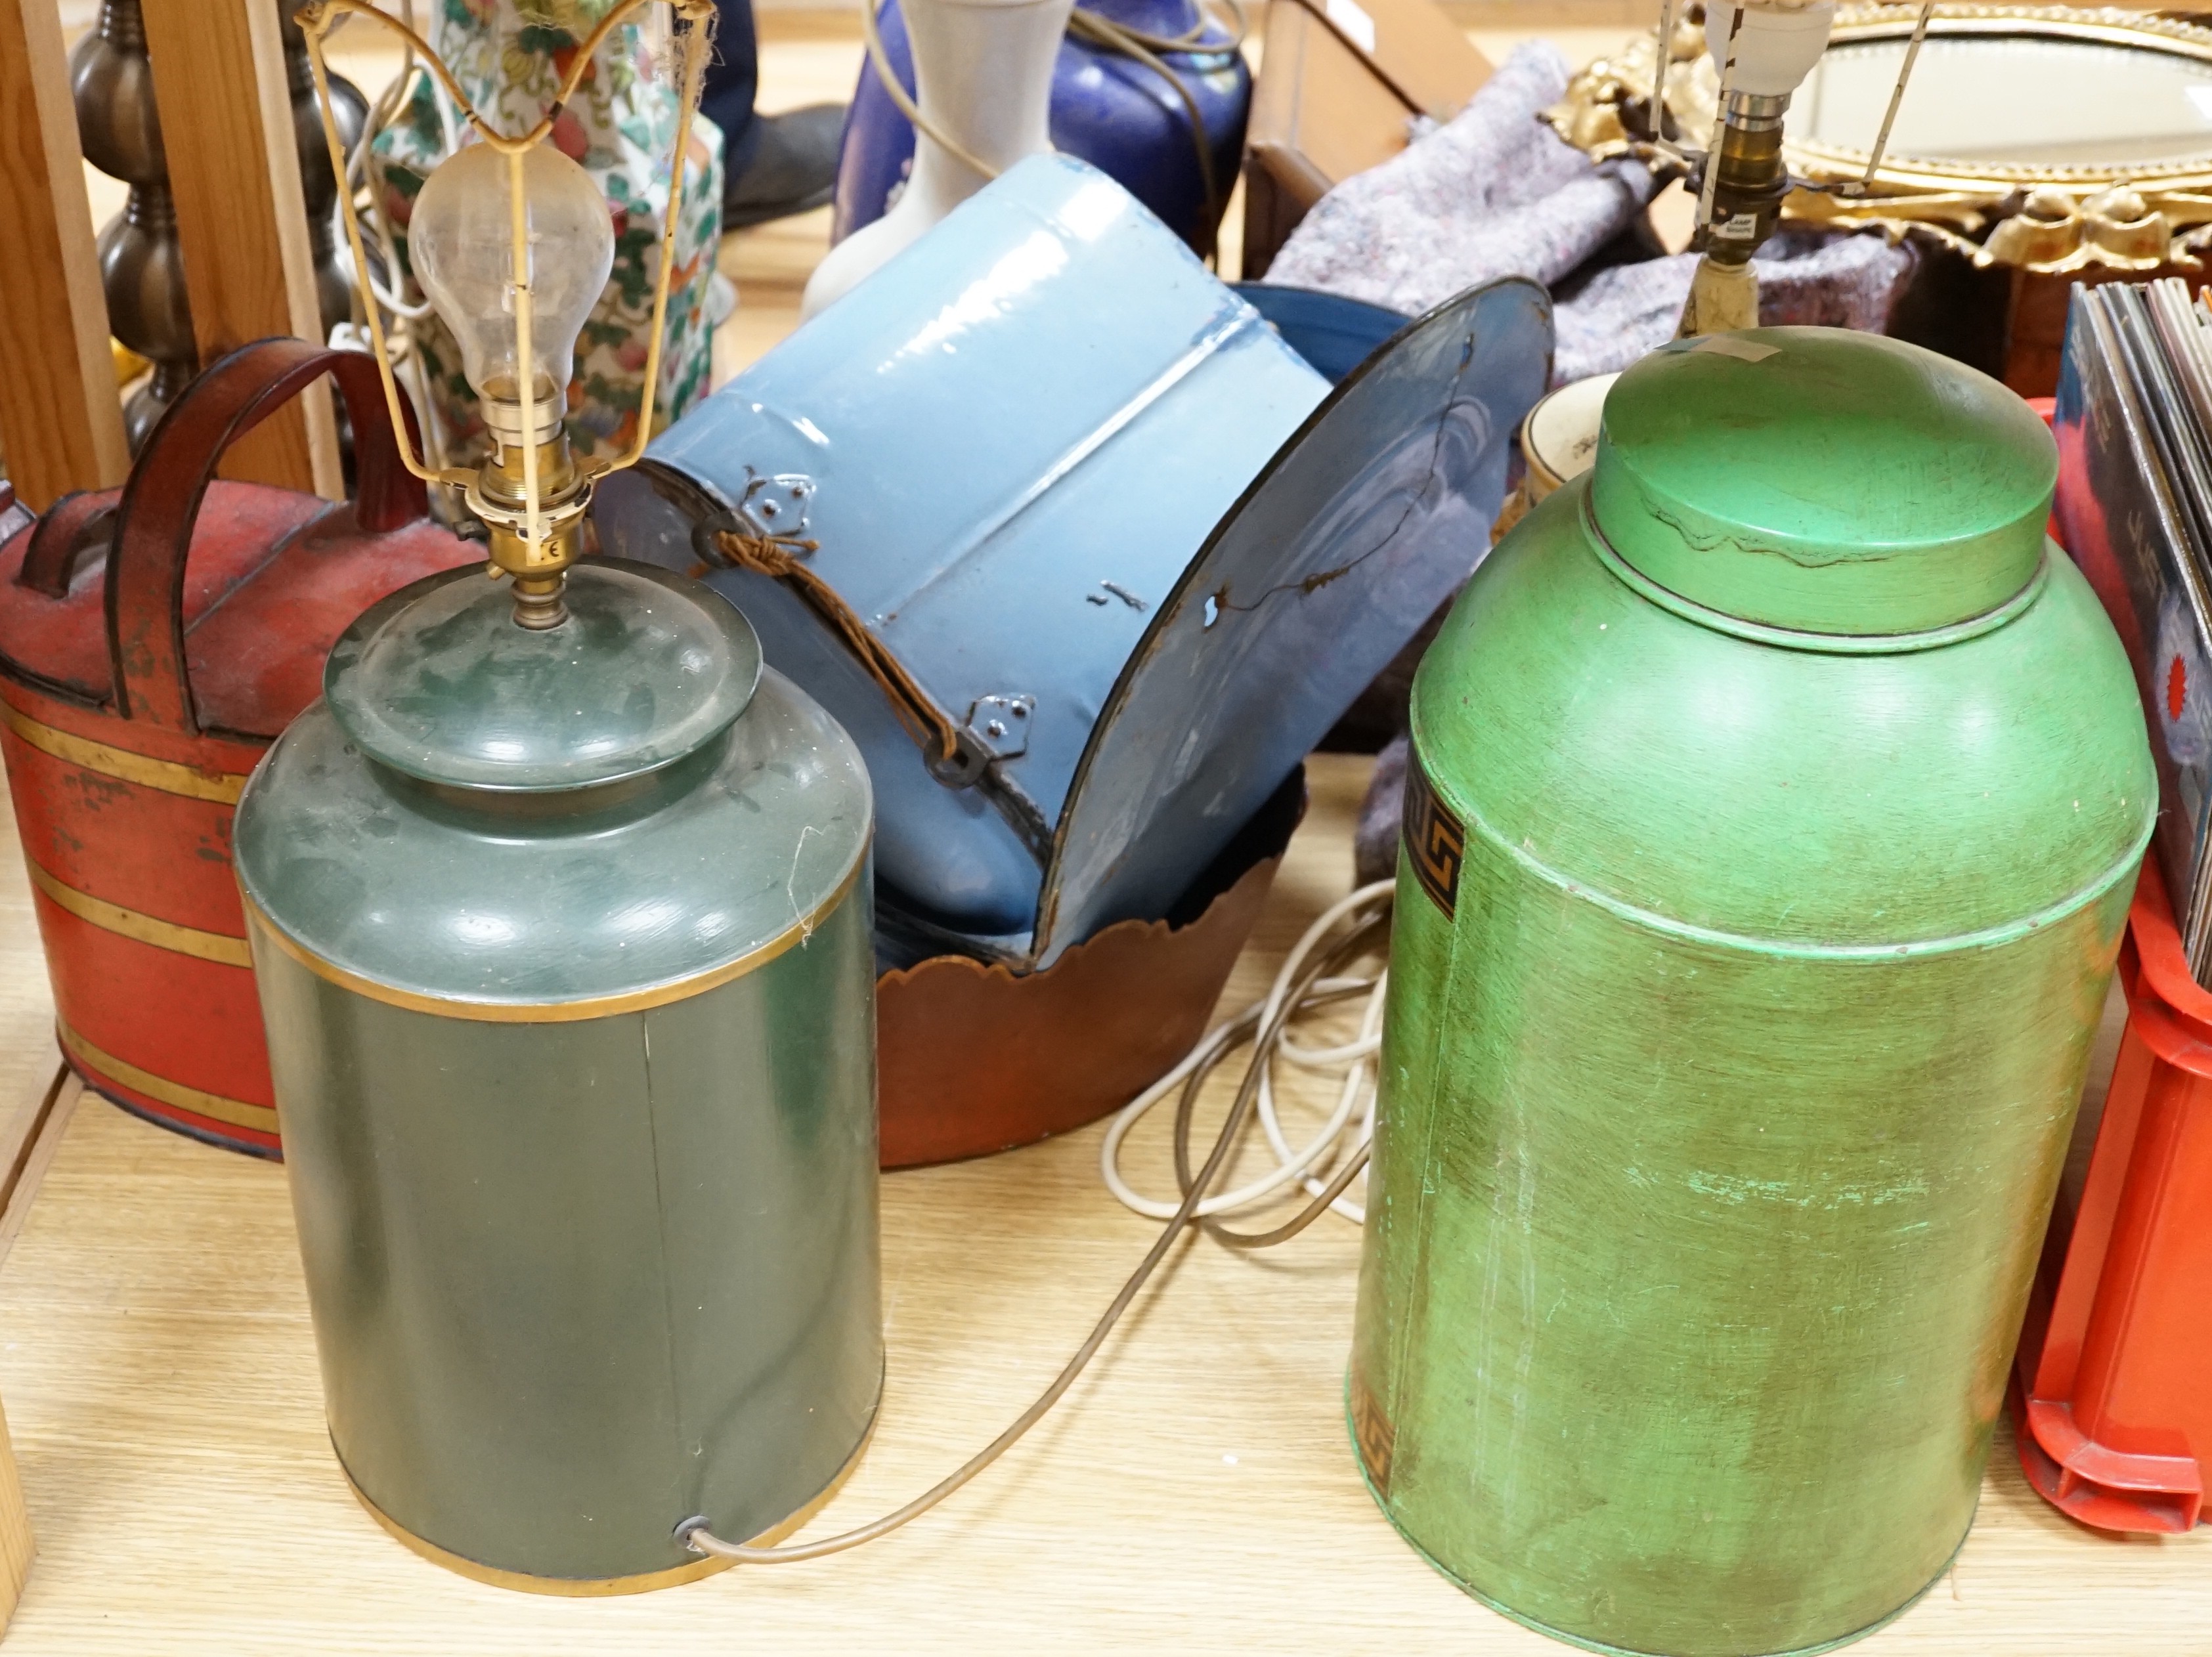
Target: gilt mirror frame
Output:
[(2132, 216)]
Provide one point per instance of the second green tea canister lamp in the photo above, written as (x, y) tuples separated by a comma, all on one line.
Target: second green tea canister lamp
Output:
[(1776, 795), (560, 909)]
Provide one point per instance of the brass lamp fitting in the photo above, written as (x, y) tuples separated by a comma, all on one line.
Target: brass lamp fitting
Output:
[(1751, 179), (538, 556)]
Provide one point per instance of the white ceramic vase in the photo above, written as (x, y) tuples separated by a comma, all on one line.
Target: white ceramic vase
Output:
[(983, 74)]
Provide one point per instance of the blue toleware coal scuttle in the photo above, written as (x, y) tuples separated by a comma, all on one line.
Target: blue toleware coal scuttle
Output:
[(1111, 110), (1106, 522)]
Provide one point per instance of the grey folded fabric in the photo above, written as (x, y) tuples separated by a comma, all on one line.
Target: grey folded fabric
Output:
[(1820, 278), (1381, 813), (1496, 193), (1492, 192)]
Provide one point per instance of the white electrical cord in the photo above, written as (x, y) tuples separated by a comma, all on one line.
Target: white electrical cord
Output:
[(1355, 1105), (401, 314)]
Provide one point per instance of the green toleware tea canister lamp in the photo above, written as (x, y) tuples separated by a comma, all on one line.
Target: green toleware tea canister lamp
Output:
[(560, 912), (1777, 793)]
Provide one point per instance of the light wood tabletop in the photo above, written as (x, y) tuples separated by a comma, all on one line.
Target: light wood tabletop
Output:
[(1195, 1493)]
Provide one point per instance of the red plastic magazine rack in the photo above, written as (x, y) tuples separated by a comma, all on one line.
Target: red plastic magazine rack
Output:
[(2114, 1399)]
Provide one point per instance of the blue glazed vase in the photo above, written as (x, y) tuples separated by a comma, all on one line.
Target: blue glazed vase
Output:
[(1111, 111)]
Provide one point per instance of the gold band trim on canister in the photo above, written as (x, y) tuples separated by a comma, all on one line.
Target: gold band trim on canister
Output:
[(237, 1112), (594, 1587), (143, 928), (556, 1012), (167, 775)]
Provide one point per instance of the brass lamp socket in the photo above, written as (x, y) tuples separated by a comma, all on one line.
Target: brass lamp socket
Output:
[(1753, 180), (502, 413), (1755, 112), (500, 496)]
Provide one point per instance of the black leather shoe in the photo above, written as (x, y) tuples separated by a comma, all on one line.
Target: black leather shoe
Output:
[(793, 168)]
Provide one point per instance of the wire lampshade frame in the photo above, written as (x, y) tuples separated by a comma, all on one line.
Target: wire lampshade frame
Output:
[(316, 19)]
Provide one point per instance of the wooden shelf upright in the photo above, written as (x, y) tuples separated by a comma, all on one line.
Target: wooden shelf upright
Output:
[(61, 425), (227, 124)]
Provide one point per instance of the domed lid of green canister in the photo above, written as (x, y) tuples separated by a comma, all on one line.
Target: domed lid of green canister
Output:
[(439, 682), (1822, 481)]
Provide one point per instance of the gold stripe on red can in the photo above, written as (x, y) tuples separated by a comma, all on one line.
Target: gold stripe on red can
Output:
[(170, 778), (140, 927), (237, 1112)]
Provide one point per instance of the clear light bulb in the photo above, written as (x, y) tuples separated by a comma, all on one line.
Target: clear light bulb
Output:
[(460, 241)]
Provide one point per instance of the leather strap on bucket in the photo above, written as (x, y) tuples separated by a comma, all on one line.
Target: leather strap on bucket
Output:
[(781, 558), (955, 757)]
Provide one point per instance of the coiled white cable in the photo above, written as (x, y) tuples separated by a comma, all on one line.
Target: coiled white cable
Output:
[(1307, 1167)]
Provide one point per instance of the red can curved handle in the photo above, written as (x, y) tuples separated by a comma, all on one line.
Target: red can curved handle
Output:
[(161, 504), (51, 558)]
